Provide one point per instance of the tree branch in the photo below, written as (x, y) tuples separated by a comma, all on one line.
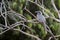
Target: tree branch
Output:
[(28, 34), (52, 1)]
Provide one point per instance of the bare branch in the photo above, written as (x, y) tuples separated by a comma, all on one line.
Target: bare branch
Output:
[(16, 24), (28, 34), (30, 13), (5, 13), (17, 14), (52, 1), (49, 30), (54, 36), (1, 11), (55, 19)]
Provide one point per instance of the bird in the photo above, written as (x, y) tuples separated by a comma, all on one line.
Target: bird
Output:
[(40, 17), (42, 20)]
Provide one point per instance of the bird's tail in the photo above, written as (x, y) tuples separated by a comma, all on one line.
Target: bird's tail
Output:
[(49, 30)]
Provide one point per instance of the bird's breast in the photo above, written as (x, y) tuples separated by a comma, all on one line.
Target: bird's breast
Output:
[(41, 18)]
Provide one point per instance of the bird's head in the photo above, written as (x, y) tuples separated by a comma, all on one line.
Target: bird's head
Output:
[(38, 12)]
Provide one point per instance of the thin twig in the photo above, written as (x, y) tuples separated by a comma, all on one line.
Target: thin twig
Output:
[(16, 24), (28, 34), (1, 11), (39, 2), (11, 27), (18, 15), (54, 36), (30, 12), (52, 1), (5, 13)]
